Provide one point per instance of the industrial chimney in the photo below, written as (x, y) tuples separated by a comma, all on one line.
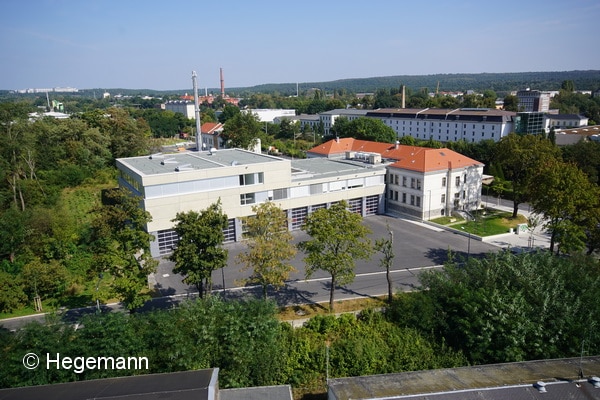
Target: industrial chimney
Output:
[(222, 84), (403, 96)]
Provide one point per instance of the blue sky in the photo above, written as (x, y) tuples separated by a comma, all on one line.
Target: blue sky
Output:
[(151, 44)]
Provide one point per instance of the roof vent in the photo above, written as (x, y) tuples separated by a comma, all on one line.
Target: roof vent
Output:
[(594, 380), (540, 386)]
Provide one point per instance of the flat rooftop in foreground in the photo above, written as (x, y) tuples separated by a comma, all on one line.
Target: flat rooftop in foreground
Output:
[(512, 381), (193, 160)]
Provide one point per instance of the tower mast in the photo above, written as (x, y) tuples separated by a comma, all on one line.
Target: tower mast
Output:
[(196, 111)]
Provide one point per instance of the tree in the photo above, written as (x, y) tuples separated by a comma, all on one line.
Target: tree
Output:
[(199, 250), (369, 129), (269, 247), (564, 195), (519, 156), (121, 246), (229, 111), (338, 239), (12, 295), (511, 103), (386, 247), (242, 130), (506, 308)]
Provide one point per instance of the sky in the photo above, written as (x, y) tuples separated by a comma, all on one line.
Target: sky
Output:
[(148, 44)]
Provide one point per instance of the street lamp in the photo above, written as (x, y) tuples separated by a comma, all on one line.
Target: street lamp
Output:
[(468, 243)]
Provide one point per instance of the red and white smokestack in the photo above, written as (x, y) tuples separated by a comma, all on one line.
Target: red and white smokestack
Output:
[(222, 84)]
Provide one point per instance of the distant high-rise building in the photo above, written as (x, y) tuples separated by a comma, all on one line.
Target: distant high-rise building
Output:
[(533, 100)]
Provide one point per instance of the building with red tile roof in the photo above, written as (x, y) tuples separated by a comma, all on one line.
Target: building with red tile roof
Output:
[(211, 135), (422, 182)]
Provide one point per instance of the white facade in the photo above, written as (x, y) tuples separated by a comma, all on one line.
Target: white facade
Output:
[(433, 194), (269, 115), (181, 182), (447, 125), (184, 107)]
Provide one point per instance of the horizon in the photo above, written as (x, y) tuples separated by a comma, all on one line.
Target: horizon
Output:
[(143, 45)]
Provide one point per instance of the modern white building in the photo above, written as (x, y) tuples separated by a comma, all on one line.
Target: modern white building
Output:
[(269, 115), (447, 125), (184, 107), (181, 182)]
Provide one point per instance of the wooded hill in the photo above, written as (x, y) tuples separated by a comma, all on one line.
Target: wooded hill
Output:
[(501, 83)]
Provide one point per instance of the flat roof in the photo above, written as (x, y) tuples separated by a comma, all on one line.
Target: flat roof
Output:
[(445, 383), (282, 392), (193, 160), (315, 168), (175, 386)]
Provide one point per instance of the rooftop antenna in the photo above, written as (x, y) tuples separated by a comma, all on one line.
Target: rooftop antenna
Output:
[(196, 111)]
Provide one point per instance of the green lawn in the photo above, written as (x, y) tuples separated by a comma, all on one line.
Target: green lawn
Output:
[(488, 223)]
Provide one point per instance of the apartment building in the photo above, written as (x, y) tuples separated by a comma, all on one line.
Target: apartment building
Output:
[(447, 125)]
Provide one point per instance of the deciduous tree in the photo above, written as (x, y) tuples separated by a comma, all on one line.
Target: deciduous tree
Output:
[(520, 156), (563, 194), (386, 247), (121, 247), (269, 247), (339, 238), (199, 250)]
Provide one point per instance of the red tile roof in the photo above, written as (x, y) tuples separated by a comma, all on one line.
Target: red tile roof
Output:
[(211, 128), (422, 159)]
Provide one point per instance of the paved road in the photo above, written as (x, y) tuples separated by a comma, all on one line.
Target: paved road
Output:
[(417, 246)]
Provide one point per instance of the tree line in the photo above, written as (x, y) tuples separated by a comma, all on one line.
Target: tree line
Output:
[(500, 308)]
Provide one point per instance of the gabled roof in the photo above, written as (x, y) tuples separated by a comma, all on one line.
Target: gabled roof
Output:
[(421, 159), (211, 128)]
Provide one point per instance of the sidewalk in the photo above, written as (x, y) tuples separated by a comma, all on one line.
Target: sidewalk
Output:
[(520, 241)]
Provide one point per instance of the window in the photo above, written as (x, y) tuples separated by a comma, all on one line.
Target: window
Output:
[(247, 198), (444, 182), (413, 182), (404, 197), (412, 200), (443, 199), (396, 196), (457, 181), (251, 179), (465, 178), (279, 194), (396, 177), (418, 184), (404, 179), (464, 194), (418, 201)]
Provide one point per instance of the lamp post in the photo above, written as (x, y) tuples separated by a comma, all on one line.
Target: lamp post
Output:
[(468, 243)]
